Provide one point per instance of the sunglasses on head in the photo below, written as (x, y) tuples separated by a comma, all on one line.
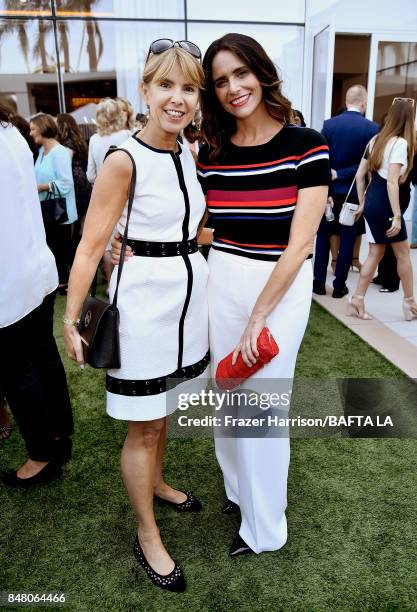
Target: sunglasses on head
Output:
[(163, 44), (410, 100)]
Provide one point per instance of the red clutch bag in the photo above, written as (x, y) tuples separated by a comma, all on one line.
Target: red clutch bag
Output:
[(230, 376)]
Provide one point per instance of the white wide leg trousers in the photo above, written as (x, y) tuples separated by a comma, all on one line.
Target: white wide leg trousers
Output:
[(255, 469)]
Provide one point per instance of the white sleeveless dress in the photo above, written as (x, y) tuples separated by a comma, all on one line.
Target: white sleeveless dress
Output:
[(162, 301)]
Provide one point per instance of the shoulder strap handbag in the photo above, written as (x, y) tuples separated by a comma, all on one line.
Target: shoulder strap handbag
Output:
[(99, 320), (347, 213), (54, 207)]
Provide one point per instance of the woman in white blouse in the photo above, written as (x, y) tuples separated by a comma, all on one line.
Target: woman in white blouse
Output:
[(111, 131), (389, 159), (32, 376)]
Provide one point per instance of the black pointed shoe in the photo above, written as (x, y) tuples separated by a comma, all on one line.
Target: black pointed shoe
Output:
[(239, 547), (229, 507), (174, 581), (191, 504), (49, 473)]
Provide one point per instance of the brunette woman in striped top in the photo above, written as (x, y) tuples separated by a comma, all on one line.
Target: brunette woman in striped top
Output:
[(266, 183)]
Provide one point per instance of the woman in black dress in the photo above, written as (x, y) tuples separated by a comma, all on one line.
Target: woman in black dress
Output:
[(389, 158), (69, 135)]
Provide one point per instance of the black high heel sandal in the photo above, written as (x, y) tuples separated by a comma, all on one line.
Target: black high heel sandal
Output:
[(174, 581), (191, 504)]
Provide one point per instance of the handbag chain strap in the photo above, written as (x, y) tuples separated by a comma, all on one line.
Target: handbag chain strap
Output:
[(124, 238), (354, 178)]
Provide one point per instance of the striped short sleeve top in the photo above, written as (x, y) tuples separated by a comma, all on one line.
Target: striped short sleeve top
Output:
[(252, 191)]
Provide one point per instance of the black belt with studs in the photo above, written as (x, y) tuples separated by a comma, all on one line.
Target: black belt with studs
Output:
[(163, 249), (154, 386)]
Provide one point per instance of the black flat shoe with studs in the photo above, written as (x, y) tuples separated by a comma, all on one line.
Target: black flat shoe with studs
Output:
[(49, 473), (174, 581), (230, 507), (191, 504), (239, 547)]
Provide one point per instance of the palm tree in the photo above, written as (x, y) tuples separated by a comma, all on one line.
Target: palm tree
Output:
[(39, 48), (94, 38), (9, 27), (63, 43), (20, 25), (48, 63)]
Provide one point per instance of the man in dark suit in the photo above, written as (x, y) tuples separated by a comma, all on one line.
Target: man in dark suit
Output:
[(347, 136)]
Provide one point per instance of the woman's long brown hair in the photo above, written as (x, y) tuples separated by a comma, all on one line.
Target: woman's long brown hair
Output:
[(399, 122), (69, 130), (218, 125)]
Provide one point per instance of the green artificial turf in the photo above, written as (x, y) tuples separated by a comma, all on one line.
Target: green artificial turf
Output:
[(352, 513)]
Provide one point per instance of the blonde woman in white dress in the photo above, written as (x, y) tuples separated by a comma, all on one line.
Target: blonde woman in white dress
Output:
[(162, 294)]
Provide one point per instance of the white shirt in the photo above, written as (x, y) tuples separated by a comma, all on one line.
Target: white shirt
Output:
[(98, 147), (27, 267), (395, 153)]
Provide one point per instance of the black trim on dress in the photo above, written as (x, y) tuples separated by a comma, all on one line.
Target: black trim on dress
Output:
[(154, 386), (185, 236), (148, 146)]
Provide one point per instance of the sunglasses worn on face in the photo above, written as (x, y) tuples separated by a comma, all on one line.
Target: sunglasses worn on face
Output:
[(163, 44), (410, 100)]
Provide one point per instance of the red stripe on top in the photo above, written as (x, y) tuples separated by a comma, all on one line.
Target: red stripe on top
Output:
[(265, 165), (273, 204), (264, 246), (259, 195)]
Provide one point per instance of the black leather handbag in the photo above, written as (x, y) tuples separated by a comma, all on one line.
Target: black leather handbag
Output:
[(54, 208), (99, 320)]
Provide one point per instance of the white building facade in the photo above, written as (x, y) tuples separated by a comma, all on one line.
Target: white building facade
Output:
[(63, 55)]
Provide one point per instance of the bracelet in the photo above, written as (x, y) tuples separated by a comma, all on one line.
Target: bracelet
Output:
[(68, 321), (395, 218)]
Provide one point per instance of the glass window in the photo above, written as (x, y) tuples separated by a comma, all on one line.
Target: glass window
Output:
[(284, 45), (106, 58), (142, 9), (28, 66), (25, 7), (236, 10), (320, 63), (396, 75)]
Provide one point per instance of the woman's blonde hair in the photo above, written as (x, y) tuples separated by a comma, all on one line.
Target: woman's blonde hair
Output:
[(399, 122), (126, 106), (159, 66), (109, 117)]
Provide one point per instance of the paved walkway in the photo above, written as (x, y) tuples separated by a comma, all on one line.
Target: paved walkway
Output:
[(388, 332)]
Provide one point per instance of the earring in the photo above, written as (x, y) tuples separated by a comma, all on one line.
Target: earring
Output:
[(196, 122), (147, 114)]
